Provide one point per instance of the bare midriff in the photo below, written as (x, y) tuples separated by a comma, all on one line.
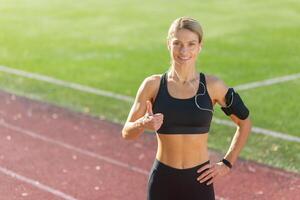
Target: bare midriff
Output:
[(182, 151)]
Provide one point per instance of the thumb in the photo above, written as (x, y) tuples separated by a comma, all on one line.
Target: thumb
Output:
[(149, 108), (158, 114)]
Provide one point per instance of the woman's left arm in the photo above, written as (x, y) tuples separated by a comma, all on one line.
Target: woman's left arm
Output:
[(240, 116), (233, 106)]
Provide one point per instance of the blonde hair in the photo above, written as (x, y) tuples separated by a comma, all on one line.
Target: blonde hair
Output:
[(185, 23)]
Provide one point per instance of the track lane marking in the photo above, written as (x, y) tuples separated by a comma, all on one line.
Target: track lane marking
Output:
[(261, 130), (36, 184), (66, 84), (267, 82), (73, 148)]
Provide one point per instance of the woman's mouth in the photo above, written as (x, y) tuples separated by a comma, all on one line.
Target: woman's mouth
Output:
[(183, 58)]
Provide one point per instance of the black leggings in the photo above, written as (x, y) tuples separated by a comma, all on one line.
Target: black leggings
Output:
[(168, 183)]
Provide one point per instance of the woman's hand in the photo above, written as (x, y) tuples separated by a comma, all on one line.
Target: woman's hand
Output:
[(212, 172), (150, 121)]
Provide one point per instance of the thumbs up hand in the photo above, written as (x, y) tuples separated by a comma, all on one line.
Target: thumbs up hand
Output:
[(149, 108), (150, 121)]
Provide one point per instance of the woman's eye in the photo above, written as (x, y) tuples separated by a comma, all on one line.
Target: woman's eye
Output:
[(192, 44)]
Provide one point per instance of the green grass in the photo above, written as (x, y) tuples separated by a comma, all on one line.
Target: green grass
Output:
[(259, 148), (114, 45)]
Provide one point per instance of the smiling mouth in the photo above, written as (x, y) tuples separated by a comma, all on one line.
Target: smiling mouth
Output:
[(184, 58)]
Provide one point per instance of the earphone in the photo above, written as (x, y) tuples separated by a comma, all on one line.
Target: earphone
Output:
[(230, 102), (201, 94)]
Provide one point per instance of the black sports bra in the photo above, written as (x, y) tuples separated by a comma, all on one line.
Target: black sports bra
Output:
[(184, 116)]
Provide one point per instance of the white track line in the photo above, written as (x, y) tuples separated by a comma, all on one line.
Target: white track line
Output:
[(66, 84), (131, 100), (261, 130), (37, 184), (73, 148), (272, 81)]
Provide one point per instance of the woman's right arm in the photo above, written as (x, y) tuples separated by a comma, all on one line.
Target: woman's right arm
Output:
[(141, 116)]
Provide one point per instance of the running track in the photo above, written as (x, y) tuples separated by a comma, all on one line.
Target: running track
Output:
[(49, 153)]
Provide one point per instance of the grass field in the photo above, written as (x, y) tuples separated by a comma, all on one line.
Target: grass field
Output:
[(115, 45)]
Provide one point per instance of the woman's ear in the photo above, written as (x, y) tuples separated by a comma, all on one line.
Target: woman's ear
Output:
[(200, 47), (168, 46)]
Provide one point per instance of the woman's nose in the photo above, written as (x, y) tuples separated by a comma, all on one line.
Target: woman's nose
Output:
[(183, 49)]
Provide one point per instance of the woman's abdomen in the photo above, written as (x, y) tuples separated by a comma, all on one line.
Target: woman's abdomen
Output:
[(182, 151)]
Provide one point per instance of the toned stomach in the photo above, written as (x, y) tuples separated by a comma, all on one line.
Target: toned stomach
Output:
[(182, 151)]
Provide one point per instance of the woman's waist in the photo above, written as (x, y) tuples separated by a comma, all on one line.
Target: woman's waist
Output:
[(183, 159)]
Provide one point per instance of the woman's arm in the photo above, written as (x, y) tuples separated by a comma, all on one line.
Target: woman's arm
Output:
[(218, 91), (243, 125), (141, 116)]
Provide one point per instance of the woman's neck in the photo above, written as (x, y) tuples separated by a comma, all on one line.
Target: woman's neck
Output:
[(183, 74)]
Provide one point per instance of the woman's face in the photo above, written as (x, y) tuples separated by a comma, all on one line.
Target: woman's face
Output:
[(184, 47)]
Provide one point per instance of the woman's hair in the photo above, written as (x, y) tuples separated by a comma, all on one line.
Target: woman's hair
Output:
[(185, 23)]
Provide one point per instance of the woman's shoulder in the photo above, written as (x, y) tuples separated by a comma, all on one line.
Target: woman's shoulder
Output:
[(154, 78), (214, 81), (216, 86), (152, 82)]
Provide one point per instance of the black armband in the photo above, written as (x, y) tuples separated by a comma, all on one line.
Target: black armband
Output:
[(235, 105)]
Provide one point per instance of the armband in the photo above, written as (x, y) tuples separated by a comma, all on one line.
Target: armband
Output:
[(235, 105)]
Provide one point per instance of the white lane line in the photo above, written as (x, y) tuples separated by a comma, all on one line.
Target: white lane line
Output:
[(126, 98), (66, 84), (261, 131), (272, 81), (73, 148), (35, 183), (131, 100)]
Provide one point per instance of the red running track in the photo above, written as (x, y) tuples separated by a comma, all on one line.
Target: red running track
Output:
[(47, 152)]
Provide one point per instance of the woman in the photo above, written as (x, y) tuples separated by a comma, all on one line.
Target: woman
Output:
[(178, 106)]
